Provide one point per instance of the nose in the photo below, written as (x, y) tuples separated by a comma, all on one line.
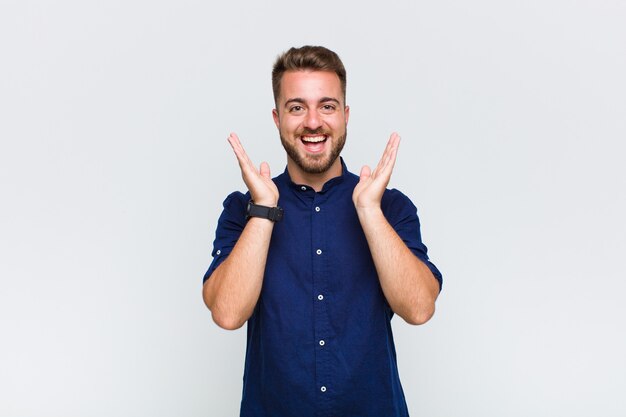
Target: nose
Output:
[(312, 120)]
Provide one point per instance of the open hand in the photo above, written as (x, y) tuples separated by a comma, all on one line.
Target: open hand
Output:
[(372, 184), (259, 182)]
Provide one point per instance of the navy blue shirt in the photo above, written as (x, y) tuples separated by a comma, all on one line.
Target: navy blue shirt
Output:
[(320, 340)]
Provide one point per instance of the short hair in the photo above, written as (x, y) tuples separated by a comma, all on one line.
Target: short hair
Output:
[(315, 58)]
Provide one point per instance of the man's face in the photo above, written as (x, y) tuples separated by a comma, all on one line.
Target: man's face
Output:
[(311, 118)]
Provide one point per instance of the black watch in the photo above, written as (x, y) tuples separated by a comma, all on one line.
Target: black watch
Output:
[(274, 214)]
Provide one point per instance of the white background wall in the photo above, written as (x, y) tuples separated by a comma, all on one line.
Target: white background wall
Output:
[(114, 164)]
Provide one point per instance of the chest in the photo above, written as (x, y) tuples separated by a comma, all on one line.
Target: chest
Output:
[(320, 248)]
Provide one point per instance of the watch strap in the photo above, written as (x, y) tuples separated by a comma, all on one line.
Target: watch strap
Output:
[(274, 214)]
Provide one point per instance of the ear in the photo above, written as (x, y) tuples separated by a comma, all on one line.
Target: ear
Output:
[(276, 118), (346, 112)]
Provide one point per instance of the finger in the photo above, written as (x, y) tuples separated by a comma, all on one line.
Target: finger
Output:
[(265, 170), (384, 170), (381, 161), (366, 172), (235, 144), (387, 153), (242, 157), (233, 139), (394, 143)]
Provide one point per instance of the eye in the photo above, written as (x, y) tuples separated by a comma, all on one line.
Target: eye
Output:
[(328, 108), (295, 109)]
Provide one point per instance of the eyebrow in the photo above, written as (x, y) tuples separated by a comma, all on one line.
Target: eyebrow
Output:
[(302, 101)]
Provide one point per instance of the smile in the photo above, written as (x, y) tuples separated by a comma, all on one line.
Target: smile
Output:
[(314, 144), (313, 139)]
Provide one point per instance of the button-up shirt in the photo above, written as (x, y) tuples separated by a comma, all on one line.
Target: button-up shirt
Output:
[(320, 341)]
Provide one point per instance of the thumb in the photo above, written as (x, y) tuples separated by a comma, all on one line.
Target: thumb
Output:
[(265, 170), (365, 173)]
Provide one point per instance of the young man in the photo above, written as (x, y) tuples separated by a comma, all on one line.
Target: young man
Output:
[(318, 260)]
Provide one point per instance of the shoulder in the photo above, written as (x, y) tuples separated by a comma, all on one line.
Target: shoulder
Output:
[(396, 198), (236, 198), (397, 206), (236, 202)]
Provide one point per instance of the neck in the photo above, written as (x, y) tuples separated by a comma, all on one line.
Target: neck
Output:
[(315, 181)]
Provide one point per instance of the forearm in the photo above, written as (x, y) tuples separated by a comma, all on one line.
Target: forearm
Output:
[(233, 289), (408, 284)]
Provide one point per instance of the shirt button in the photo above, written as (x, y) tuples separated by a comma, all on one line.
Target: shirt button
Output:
[(303, 188), (317, 209), (218, 252), (322, 343), (319, 251), (320, 297), (323, 389)]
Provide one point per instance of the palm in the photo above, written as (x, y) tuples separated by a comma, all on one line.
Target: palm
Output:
[(372, 184), (259, 181)]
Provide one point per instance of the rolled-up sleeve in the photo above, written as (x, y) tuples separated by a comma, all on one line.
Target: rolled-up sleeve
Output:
[(401, 213), (229, 228)]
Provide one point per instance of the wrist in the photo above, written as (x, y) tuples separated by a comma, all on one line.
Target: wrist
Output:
[(265, 201), (372, 220), (369, 212), (272, 213)]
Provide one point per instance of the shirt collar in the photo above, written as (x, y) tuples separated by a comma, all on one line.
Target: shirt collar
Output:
[(327, 185)]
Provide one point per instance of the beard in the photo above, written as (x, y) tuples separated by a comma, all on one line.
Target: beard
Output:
[(317, 163)]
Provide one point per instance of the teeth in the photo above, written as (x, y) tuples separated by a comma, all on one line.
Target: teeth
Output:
[(313, 139)]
